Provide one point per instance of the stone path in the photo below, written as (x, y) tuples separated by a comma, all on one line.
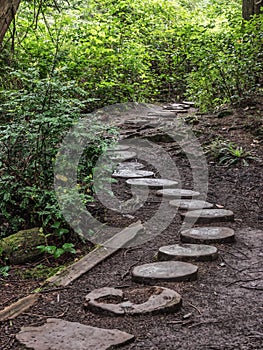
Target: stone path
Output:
[(59, 334)]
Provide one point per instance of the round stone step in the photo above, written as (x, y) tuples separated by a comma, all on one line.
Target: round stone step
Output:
[(170, 271), (177, 193), (205, 216), (117, 302), (152, 182), (118, 148), (132, 173), (129, 166), (188, 204), (122, 155), (184, 252), (208, 235)]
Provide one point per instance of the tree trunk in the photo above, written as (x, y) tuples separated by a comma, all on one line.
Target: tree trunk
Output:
[(251, 7), (8, 9)]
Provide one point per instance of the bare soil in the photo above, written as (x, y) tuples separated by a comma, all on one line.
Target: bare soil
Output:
[(223, 309)]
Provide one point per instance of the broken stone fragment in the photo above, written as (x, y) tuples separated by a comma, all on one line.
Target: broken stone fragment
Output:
[(161, 300)]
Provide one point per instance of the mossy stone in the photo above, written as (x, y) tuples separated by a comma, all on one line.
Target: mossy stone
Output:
[(20, 247)]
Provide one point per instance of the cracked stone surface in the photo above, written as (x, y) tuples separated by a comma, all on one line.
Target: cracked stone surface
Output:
[(152, 182), (161, 300), (208, 235), (58, 334), (177, 193), (188, 204), (206, 216), (126, 173), (165, 271), (198, 252)]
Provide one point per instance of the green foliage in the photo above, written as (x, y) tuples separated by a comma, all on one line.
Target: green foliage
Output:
[(144, 50), (34, 120), (227, 153), (57, 251)]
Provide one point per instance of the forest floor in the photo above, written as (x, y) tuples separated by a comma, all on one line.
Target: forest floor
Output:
[(223, 308)]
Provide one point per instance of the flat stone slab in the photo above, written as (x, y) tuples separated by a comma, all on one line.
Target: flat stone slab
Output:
[(177, 193), (184, 252), (122, 155), (208, 235), (130, 166), (58, 334), (152, 182), (132, 173), (160, 300), (190, 204), (118, 148), (170, 271), (206, 216)]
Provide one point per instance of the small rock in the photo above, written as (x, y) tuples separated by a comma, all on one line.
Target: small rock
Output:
[(58, 334)]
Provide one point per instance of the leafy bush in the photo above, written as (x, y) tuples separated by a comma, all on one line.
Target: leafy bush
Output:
[(34, 121)]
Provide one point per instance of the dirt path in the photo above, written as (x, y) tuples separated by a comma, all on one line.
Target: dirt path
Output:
[(223, 308)]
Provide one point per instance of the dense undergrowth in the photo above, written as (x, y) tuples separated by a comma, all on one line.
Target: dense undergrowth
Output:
[(58, 63)]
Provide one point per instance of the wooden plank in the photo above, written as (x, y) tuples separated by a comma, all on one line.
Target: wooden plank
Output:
[(74, 271), (15, 309)]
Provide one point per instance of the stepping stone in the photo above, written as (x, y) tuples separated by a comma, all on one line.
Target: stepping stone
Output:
[(206, 216), (122, 155), (129, 166), (188, 204), (177, 193), (152, 182), (125, 173), (183, 252), (58, 334), (169, 271), (208, 235), (160, 300), (118, 148)]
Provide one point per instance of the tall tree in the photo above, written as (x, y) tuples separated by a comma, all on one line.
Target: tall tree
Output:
[(251, 7), (8, 9)]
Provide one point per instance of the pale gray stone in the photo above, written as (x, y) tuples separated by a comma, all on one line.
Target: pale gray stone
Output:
[(58, 334), (184, 252), (152, 182), (169, 271), (208, 215), (161, 300), (125, 173), (208, 235), (177, 193), (187, 204), (129, 166), (122, 155), (118, 147)]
